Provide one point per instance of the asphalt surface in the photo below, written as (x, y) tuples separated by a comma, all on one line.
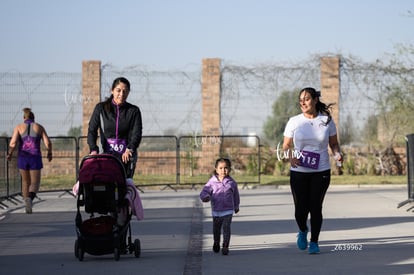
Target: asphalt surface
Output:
[(364, 232)]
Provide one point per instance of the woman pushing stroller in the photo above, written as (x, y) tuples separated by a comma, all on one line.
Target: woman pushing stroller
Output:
[(119, 124), (120, 131)]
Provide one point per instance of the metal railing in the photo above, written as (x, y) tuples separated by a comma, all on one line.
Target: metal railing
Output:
[(162, 160), (410, 171)]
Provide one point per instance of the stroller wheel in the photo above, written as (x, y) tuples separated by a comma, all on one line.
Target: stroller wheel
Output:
[(116, 254), (137, 248), (81, 253)]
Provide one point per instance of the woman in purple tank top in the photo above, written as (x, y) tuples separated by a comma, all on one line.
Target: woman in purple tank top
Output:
[(28, 136)]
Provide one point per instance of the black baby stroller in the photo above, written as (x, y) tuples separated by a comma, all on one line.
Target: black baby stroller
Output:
[(101, 191)]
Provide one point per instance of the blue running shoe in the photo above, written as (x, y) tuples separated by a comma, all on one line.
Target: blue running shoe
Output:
[(313, 248), (302, 241)]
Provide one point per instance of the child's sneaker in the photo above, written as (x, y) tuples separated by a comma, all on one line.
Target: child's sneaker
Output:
[(225, 249), (313, 248), (216, 247), (302, 241)]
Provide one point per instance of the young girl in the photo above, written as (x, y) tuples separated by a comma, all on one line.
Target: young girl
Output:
[(222, 191)]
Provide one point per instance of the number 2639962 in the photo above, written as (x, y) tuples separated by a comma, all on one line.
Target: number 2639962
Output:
[(348, 247)]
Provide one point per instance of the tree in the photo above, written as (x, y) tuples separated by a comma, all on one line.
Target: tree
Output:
[(75, 132), (369, 132), (396, 115), (347, 131), (395, 102), (285, 106)]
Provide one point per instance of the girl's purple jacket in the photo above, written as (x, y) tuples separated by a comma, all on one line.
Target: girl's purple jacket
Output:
[(223, 195)]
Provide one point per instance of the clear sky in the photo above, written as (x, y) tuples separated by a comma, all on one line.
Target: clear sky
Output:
[(56, 35)]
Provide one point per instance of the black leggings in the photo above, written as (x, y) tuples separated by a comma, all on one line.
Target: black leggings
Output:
[(225, 223), (308, 190)]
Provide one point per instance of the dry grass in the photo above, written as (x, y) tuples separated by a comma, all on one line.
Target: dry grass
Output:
[(66, 182), (343, 180)]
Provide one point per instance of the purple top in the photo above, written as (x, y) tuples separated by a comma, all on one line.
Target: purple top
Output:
[(29, 144), (224, 195)]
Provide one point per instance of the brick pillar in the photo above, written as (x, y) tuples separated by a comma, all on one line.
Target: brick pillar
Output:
[(330, 85), (91, 93), (211, 96), (211, 115)]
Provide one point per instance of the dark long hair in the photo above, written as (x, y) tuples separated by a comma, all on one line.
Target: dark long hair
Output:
[(320, 106), (108, 101), (226, 160)]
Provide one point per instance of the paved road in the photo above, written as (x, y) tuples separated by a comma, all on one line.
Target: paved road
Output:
[(363, 233)]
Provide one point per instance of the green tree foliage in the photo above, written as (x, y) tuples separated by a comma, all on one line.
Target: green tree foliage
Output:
[(369, 132), (67, 142), (285, 106), (395, 101), (396, 114), (75, 132), (347, 131)]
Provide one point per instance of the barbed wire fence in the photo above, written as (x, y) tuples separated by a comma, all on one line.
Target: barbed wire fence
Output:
[(55, 99), (170, 100)]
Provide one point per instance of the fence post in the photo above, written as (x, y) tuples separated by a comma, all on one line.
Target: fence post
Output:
[(410, 169)]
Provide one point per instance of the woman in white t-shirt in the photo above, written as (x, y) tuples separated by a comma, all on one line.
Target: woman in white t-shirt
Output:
[(307, 137)]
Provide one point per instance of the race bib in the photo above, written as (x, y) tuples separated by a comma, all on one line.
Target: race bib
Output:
[(309, 159), (116, 145)]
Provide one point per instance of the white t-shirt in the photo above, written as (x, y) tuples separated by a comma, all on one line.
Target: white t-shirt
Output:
[(311, 141)]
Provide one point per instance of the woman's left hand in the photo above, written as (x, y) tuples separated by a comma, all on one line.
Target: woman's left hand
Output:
[(126, 155)]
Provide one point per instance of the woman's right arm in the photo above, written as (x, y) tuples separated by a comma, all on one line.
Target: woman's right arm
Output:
[(288, 151), (13, 142), (94, 123), (288, 145)]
